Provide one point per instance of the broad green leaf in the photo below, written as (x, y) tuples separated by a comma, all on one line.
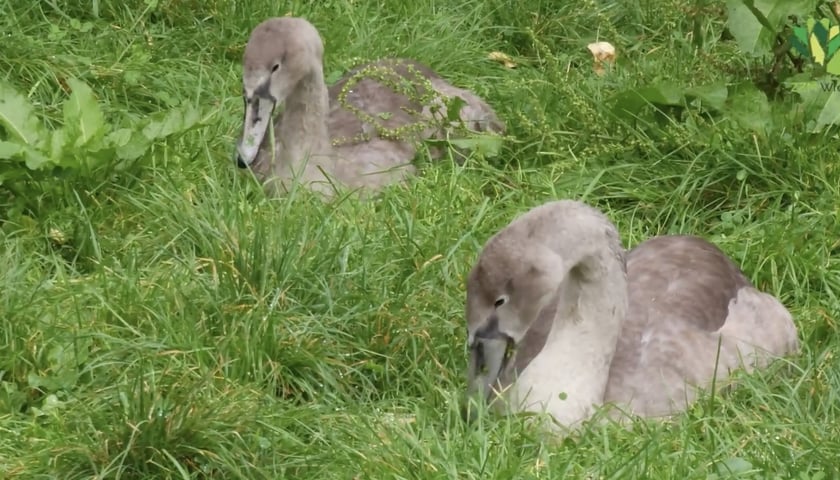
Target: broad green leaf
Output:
[(129, 144), (135, 149), (333, 76), (820, 102), (748, 106), (175, 121), (713, 95), (57, 144), (18, 117), (192, 118), (662, 95), (82, 114), (119, 137), (812, 93), (755, 36), (32, 157), (486, 145), (9, 150), (630, 102), (103, 155), (830, 113), (35, 160), (453, 108), (161, 125), (734, 466)]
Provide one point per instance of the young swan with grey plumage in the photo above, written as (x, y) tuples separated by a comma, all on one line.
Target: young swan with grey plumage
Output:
[(317, 139), (559, 321)]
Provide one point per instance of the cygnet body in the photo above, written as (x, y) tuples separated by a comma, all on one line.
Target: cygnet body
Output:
[(560, 319), (362, 132)]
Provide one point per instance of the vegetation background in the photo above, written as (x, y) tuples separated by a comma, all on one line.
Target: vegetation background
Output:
[(161, 318)]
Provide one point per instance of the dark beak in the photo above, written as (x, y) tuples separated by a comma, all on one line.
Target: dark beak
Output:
[(490, 356), (257, 121)]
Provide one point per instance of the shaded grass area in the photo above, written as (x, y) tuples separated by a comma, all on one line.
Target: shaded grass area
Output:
[(172, 322)]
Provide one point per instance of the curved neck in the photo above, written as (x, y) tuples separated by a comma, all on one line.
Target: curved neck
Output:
[(591, 302), (303, 141)]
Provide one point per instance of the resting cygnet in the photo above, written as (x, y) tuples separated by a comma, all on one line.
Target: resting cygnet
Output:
[(560, 321), (363, 132)]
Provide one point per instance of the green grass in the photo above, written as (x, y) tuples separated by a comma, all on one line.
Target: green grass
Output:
[(172, 322)]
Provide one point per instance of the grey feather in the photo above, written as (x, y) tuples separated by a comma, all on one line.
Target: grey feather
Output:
[(644, 329)]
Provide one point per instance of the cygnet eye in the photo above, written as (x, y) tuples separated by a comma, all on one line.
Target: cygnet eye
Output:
[(500, 301), (275, 67)]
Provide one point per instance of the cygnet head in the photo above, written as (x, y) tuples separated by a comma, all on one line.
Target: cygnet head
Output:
[(510, 284), (279, 54)]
